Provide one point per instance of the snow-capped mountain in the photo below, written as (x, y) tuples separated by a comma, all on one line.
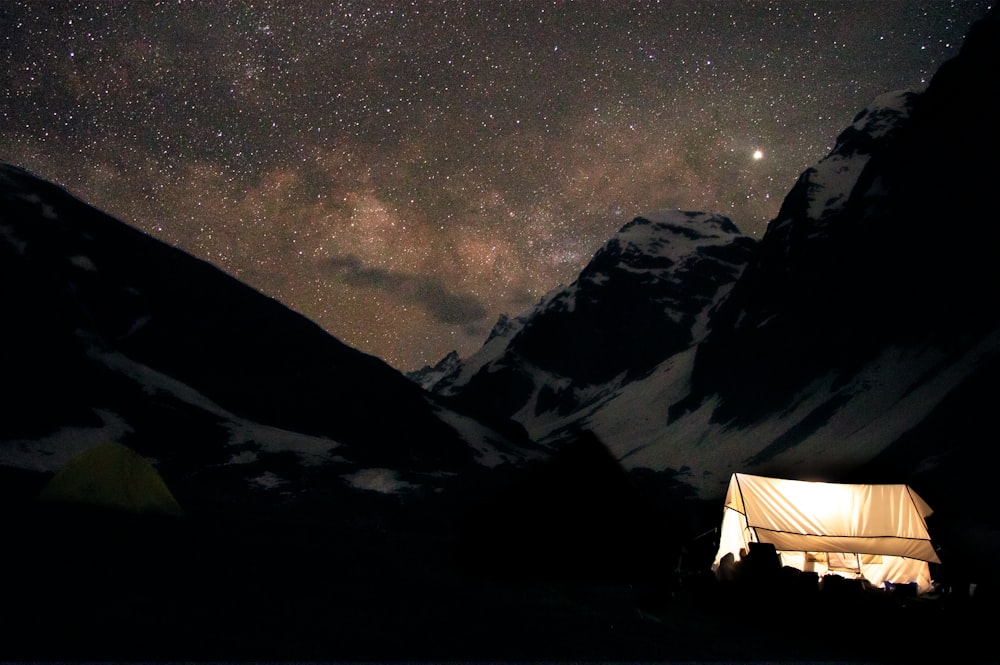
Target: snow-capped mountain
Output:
[(110, 335), (848, 330), (644, 297), (429, 376)]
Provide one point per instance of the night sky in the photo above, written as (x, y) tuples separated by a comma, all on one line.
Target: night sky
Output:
[(403, 172)]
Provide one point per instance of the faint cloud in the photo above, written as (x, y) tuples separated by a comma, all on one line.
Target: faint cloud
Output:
[(426, 291)]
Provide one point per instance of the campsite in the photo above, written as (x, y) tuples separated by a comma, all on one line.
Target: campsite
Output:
[(149, 583), (697, 445), (871, 533)]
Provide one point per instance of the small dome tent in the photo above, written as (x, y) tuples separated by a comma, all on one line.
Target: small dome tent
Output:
[(112, 476), (877, 532)]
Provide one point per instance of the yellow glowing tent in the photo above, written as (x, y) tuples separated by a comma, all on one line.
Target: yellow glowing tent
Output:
[(111, 476), (877, 532)]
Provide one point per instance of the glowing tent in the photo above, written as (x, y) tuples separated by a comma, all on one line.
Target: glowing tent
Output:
[(111, 476), (877, 532)]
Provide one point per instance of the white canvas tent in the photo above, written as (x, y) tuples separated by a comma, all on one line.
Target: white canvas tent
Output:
[(873, 531)]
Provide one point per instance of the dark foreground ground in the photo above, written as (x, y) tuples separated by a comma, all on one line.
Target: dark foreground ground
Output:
[(80, 587)]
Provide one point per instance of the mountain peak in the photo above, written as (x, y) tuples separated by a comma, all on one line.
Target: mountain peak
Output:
[(502, 328), (643, 297)]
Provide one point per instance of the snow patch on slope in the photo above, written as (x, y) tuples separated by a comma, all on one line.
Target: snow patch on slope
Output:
[(7, 234), (83, 263), (311, 450), (268, 481), (383, 481), (50, 453), (487, 449)]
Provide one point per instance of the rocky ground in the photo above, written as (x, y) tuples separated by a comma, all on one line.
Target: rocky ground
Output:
[(81, 587)]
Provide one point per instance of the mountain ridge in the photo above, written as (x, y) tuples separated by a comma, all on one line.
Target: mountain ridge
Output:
[(113, 334)]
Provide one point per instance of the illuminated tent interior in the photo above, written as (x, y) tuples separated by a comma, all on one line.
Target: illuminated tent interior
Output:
[(875, 532)]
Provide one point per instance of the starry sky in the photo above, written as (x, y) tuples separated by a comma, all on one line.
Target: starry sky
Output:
[(403, 172)]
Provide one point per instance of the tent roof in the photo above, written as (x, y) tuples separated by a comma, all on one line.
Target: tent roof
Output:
[(808, 516)]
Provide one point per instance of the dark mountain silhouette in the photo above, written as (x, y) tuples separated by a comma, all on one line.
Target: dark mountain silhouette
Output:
[(110, 334)]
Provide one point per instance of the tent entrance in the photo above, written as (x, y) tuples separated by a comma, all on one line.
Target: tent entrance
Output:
[(845, 564)]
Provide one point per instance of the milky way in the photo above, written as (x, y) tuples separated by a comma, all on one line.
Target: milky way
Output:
[(403, 172)]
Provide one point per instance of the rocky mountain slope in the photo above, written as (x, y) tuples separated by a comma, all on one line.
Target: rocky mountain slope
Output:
[(644, 297)]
